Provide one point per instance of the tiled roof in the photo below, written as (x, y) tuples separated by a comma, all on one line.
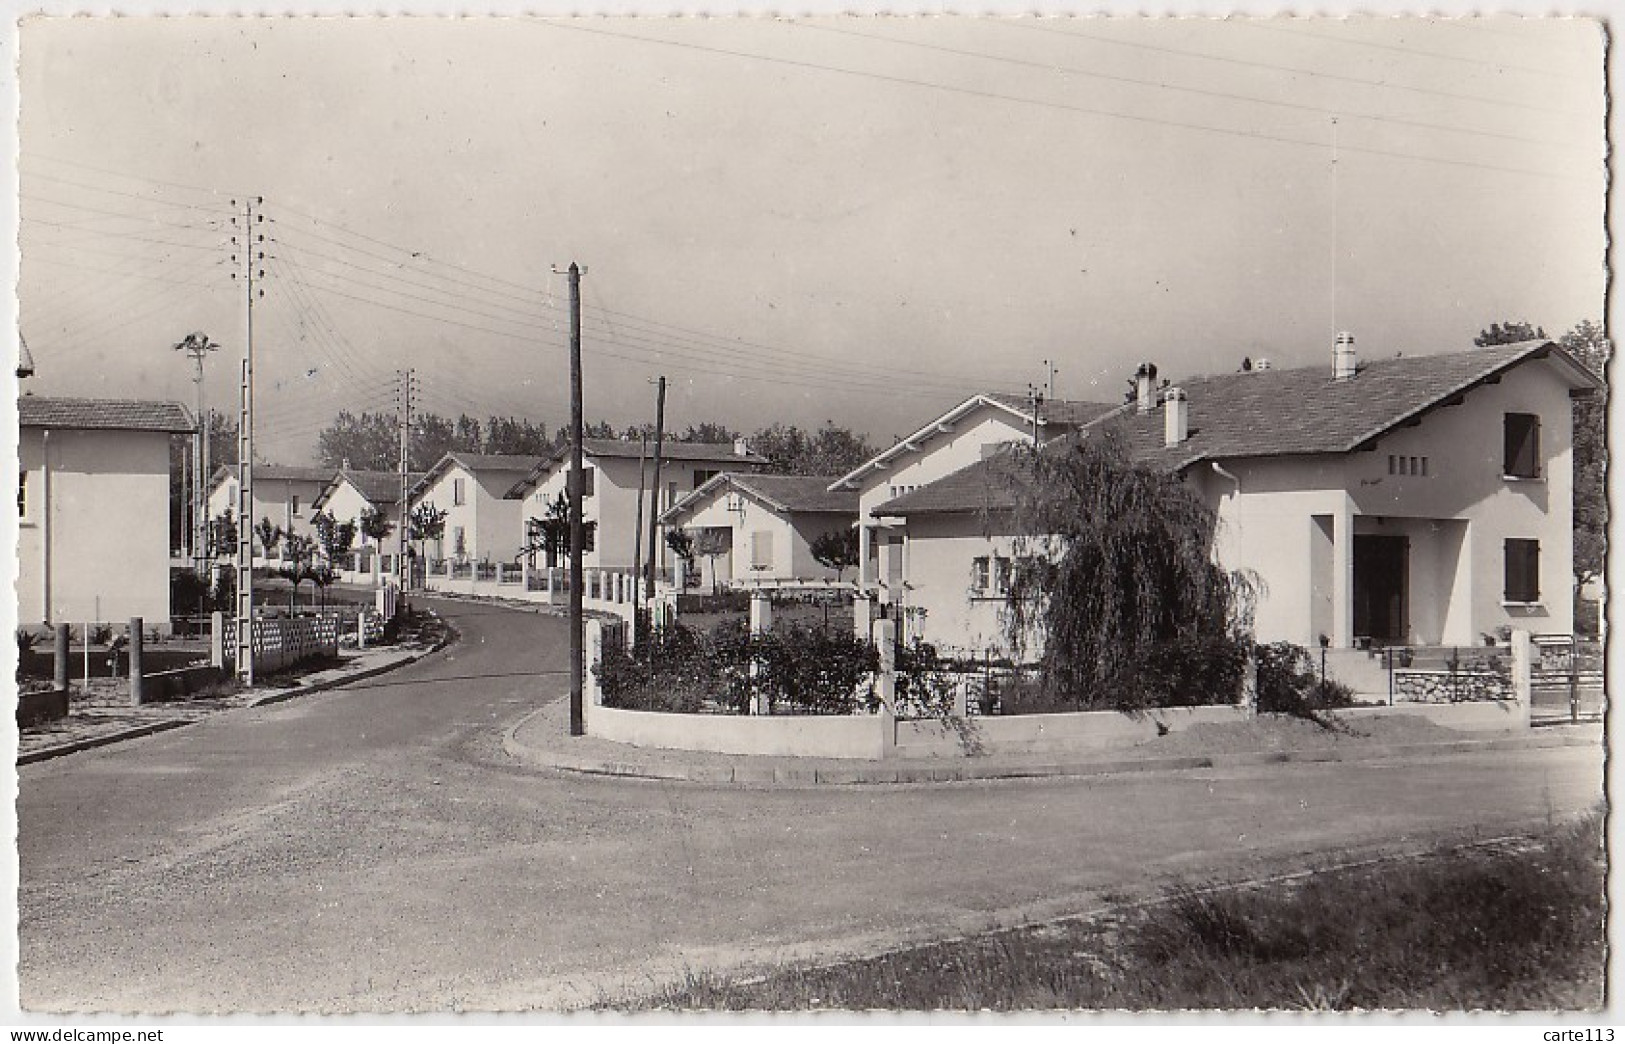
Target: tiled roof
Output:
[(494, 461), (1305, 411), (786, 493), (1060, 413), (709, 452), (378, 487), (273, 473), (1265, 414), (35, 411)]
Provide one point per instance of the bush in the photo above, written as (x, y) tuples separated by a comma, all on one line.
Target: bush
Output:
[(1189, 671), (925, 686), (677, 669), (26, 640), (1287, 683)]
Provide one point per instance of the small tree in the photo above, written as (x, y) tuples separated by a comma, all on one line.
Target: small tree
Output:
[(426, 522), (550, 534), (223, 534), (712, 544), (836, 549), (1509, 333), (336, 537), (375, 525), (270, 535), (299, 563)]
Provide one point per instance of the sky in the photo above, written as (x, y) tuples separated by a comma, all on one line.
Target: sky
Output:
[(854, 219)]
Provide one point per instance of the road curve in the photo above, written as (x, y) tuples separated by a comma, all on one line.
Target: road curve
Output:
[(371, 849)]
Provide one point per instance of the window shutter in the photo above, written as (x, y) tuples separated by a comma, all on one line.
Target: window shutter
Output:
[(761, 549)]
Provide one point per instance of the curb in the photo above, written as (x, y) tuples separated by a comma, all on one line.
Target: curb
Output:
[(135, 732), (138, 731), (743, 772)]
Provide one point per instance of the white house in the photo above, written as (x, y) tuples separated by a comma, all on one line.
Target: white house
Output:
[(93, 509), (763, 525), (611, 470), (976, 429), (285, 495), (1422, 500), (350, 494), (482, 525)]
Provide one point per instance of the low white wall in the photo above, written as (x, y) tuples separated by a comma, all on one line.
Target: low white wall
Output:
[(1082, 730), (856, 736)]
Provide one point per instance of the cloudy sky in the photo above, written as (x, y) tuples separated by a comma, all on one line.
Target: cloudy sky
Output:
[(854, 219)]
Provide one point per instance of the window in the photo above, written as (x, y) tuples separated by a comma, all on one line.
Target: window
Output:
[(702, 476), (761, 549), (1523, 570), (457, 498), (22, 494), (1522, 446), (1399, 465), (589, 481), (1001, 576), (979, 574), (295, 505)]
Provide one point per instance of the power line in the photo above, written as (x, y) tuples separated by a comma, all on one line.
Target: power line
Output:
[(1295, 70), (1410, 52), (1203, 92)]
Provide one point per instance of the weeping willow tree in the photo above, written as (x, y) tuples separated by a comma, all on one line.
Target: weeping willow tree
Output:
[(1114, 580)]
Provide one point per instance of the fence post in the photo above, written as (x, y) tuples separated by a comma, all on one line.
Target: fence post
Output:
[(1249, 682), (761, 621), (884, 635), (592, 694), (136, 641), (59, 675), (1522, 668), (862, 616), (361, 629), (217, 639)]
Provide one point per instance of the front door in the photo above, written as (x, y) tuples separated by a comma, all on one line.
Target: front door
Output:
[(1381, 566)]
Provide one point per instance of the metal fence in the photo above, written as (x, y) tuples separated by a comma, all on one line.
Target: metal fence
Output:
[(1568, 681), (1448, 674)]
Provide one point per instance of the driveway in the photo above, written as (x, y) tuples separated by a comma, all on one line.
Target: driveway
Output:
[(372, 849)]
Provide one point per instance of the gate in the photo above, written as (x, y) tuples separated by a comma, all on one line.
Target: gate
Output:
[(1567, 680)]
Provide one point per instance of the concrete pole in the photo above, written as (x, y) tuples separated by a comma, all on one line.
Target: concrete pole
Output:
[(59, 674), (1522, 669), (761, 621), (136, 640)]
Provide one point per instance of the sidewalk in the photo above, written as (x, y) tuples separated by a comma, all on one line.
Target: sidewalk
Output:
[(98, 718), (542, 740)]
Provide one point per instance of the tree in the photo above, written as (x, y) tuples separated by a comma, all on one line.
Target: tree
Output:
[(836, 549), (222, 439), (550, 534), (1588, 342), (368, 441), (828, 451), (516, 437), (426, 522), (1113, 568), (375, 525), (712, 544), (680, 543), (1508, 333), (708, 431), (223, 534), (270, 534), (298, 564), (336, 537)]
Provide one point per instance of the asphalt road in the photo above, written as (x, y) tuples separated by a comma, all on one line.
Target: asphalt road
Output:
[(372, 849)]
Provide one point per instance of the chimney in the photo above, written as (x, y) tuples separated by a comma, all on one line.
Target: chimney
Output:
[(1345, 363), (1176, 417), (741, 447), (1145, 388)]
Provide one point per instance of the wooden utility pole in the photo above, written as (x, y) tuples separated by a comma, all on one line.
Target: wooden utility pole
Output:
[(402, 570), (578, 721), (251, 242), (654, 492)]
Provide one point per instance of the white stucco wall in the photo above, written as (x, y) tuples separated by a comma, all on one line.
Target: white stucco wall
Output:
[(942, 455), (346, 505), (108, 519), (273, 499), (939, 552), (792, 536), (490, 524)]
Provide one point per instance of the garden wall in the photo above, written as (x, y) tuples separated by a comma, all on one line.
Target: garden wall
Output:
[(801, 736), (1039, 733), (1474, 716)]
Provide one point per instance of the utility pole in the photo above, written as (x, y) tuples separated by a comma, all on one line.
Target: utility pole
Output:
[(578, 721), (405, 396), (250, 242), (198, 346), (654, 491), (637, 523)]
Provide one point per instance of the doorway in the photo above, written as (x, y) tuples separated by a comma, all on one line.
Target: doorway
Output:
[(1381, 589)]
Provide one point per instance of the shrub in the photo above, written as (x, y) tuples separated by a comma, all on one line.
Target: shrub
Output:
[(1287, 684), (1189, 671), (817, 670), (925, 686), (101, 634), (26, 640)]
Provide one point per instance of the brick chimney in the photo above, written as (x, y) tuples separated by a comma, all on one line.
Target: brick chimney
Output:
[(1176, 417), (1145, 388), (1345, 362), (741, 448)]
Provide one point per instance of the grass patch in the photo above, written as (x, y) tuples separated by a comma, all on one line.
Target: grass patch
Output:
[(1510, 928)]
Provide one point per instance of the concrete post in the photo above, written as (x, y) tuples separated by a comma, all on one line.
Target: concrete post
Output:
[(217, 639), (59, 672), (1249, 684), (1522, 668), (499, 574), (136, 641), (884, 635), (679, 573), (1343, 577), (592, 694), (361, 629), (862, 614), (761, 612)]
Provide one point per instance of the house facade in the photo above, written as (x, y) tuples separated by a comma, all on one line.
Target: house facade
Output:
[(1417, 501), (93, 509), (350, 494), (748, 527), (285, 495), (482, 524), (613, 471), (975, 430)]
